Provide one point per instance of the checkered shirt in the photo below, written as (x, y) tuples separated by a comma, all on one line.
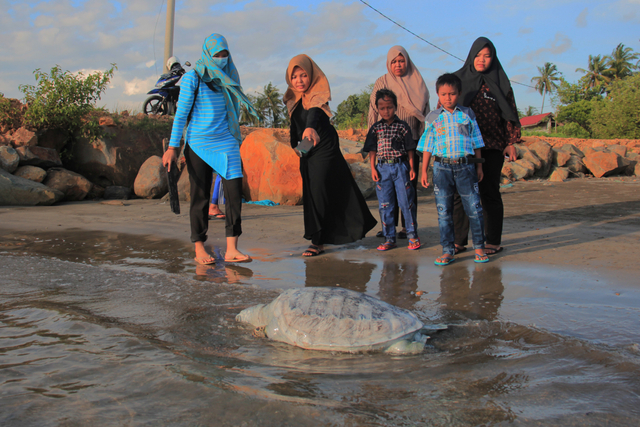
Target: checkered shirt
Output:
[(451, 135), (381, 138)]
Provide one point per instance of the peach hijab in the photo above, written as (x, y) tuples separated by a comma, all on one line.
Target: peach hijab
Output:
[(318, 94), (410, 89)]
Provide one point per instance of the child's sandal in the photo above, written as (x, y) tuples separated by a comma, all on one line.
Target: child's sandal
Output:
[(481, 258), (444, 259), (387, 246), (414, 244)]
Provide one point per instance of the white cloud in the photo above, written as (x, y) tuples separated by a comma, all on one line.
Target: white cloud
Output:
[(581, 20)]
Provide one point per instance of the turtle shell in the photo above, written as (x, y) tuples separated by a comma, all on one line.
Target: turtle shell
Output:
[(336, 319)]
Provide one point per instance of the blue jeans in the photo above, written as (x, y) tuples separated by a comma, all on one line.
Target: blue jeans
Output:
[(463, 178), (394, 184)]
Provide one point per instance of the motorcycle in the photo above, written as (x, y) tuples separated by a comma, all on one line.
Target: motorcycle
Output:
[(164, 97)]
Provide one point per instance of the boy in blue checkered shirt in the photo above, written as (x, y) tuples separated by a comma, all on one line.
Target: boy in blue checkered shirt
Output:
[(453, 138), (392, 149)]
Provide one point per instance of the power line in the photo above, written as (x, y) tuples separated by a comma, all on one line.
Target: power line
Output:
[(426, 41)]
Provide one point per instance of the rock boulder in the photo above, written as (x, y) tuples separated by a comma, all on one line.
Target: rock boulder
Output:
[(602, 163), (545, 154), (42, 157), (9, 158), (271, 169), (32, 173), (74, 186), (16, 191), (151, 181), (23, 137)]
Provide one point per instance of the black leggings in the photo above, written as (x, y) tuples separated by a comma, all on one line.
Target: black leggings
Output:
[(200, 179)]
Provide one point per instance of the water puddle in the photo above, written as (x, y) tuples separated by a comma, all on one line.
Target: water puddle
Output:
[(113, 329)]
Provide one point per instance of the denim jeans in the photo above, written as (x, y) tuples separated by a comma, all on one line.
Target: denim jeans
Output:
[(463, 178), (394, 184)]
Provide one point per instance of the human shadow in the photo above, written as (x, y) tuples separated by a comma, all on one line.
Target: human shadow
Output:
[(344, 273), (398, 284)]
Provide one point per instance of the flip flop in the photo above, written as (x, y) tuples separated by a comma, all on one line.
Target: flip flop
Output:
[(387, 246), (312, 250), (444, 260), (217, 216), (493, 250), (205, 260), (414, 244), (460, 249), (481, 259), (246, 258)]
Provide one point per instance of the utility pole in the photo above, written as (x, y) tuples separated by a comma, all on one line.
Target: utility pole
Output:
[(168, 33)]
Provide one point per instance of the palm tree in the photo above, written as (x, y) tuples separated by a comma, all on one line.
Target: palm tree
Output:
[(620, 62), (546, 81), (530, 111), (597, 72), (270, 104)]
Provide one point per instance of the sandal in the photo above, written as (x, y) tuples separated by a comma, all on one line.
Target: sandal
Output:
[(481, 258), (460, 249), (208, 260), (414, 244), (402, 234), (312, 250), (493, 251), (387, 246), (217, 216), (444, 259)]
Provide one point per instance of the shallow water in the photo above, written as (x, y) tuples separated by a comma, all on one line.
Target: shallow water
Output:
[(112, 329)]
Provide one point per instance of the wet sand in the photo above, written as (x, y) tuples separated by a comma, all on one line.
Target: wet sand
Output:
[(591, 224), (96, 297)]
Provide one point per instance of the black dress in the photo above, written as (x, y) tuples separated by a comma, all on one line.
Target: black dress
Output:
[(335, 211)]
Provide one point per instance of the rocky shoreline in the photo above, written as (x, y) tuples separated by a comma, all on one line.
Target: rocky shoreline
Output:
[(46, 167)]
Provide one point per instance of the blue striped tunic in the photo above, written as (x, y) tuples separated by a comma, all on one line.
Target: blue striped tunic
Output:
[(208, 131)]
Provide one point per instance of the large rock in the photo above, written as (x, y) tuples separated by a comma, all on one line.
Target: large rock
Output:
[(16, 191), (74, 186), (42, 157), (151, 181), (271, 169), (561, 157), (531, 157), (604, 163), (23, 137), (32, 173), (116, 158), (572, 149), (9, 158), (545, 154), (515, 171), (576, 165), (558, 174)]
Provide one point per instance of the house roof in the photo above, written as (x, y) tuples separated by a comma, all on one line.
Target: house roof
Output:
[(533, 120)]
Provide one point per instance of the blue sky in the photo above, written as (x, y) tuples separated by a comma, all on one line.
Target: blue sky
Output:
[(348, 40)]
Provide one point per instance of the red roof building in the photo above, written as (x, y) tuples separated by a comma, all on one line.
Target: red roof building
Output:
[(543, 122)]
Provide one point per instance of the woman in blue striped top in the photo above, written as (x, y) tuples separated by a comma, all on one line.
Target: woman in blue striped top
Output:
[(209, 104)]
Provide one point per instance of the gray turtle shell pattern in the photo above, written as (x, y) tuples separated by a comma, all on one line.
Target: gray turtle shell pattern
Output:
[(337, 319)]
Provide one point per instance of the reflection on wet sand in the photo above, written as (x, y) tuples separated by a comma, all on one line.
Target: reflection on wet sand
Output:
[(470, 297), (222, 273), (348, 274), (398, 284)]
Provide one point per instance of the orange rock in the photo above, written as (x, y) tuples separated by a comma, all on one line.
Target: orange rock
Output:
[(603, 164), (106, 121), (271, 169)]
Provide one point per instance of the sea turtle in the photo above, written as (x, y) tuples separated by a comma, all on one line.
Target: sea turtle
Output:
[(337, 319)]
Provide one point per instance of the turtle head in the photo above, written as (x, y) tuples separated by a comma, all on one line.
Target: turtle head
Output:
[(255, 315)]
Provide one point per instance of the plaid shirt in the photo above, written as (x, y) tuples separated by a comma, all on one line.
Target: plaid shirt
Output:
[(451, 135), (389, 141)]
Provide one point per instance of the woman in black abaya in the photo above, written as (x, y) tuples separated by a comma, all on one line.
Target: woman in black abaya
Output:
[(335, 211)]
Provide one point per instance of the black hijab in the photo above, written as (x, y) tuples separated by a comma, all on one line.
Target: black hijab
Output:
[(494, 77)]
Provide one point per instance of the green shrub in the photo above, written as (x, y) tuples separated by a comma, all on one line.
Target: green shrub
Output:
[(61, 100), (572, 130), (618, 115)]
